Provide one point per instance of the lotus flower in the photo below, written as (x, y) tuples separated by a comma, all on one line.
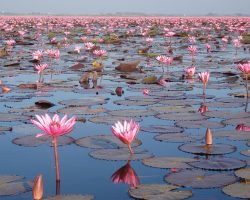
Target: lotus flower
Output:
[(146, 91), (190, 71), (100, 53), (164, 60), (40, 69), (126, 132), (245, 68), (127, 175), (54, 127), (37, 55), (204, 77), (192, 50), (242, 127)]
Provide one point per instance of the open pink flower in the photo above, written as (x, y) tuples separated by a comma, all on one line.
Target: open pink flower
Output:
[(204, 77), (192, 50), (190, 71), (10, 42), (54, 126), (100, 52), (245, 68), (146, 91), (89, 45), (77, 49), (242, 127), (126, 174), (126, 132), (37, 55), (162, 82), (40, 68)]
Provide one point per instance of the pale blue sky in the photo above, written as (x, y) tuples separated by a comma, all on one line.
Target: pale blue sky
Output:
[(188, 7)]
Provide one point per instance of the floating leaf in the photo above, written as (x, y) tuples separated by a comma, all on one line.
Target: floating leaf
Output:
[(240, 190), (140, 87), (245, 152), (220, 164), (33, 141), (243, 173), (226, 114), (172, 109), (162, 129), (71, 197), (9, 186), (119, 154), (131, 113), (174, 137), (4, 129), (199, 179), (168, 162), (159, 192), (223, 105), (150, 80), (44, 104), (203, 149), (180, 102), (235, 122), (109, 119), (182, 116), (9, 117), (88, 101), (199, 124), (134, 103), (81, 110), (104, 141)]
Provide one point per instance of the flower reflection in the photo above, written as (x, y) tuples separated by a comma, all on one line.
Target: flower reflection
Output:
[(242, 127), (127, 175), (203, 108)]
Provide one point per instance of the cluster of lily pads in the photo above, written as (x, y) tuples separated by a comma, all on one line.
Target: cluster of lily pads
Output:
[(110, 69)]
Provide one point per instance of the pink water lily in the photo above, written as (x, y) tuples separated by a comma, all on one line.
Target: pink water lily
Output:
[(146, 91), (190, 71), (40, 69), (126, 132), (245, 68), (242, 127), (100, 53), (192, 51), (204, 77), (54, 127), (164, 60)]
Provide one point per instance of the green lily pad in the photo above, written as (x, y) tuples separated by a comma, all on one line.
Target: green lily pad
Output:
[(168, 162), (13, 185), (243, 173), (119, 154), (199, 124), (220, 164), (203, 149), (104, 142), (182, 116), (174, 137), (162, 129), (131, 113), (239, 190), (159, 192), (32, 141), (88, 101), (81, 110), (199, 179), (109, 119)]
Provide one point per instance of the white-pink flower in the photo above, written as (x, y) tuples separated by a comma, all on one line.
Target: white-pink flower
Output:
[(126, 132)]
